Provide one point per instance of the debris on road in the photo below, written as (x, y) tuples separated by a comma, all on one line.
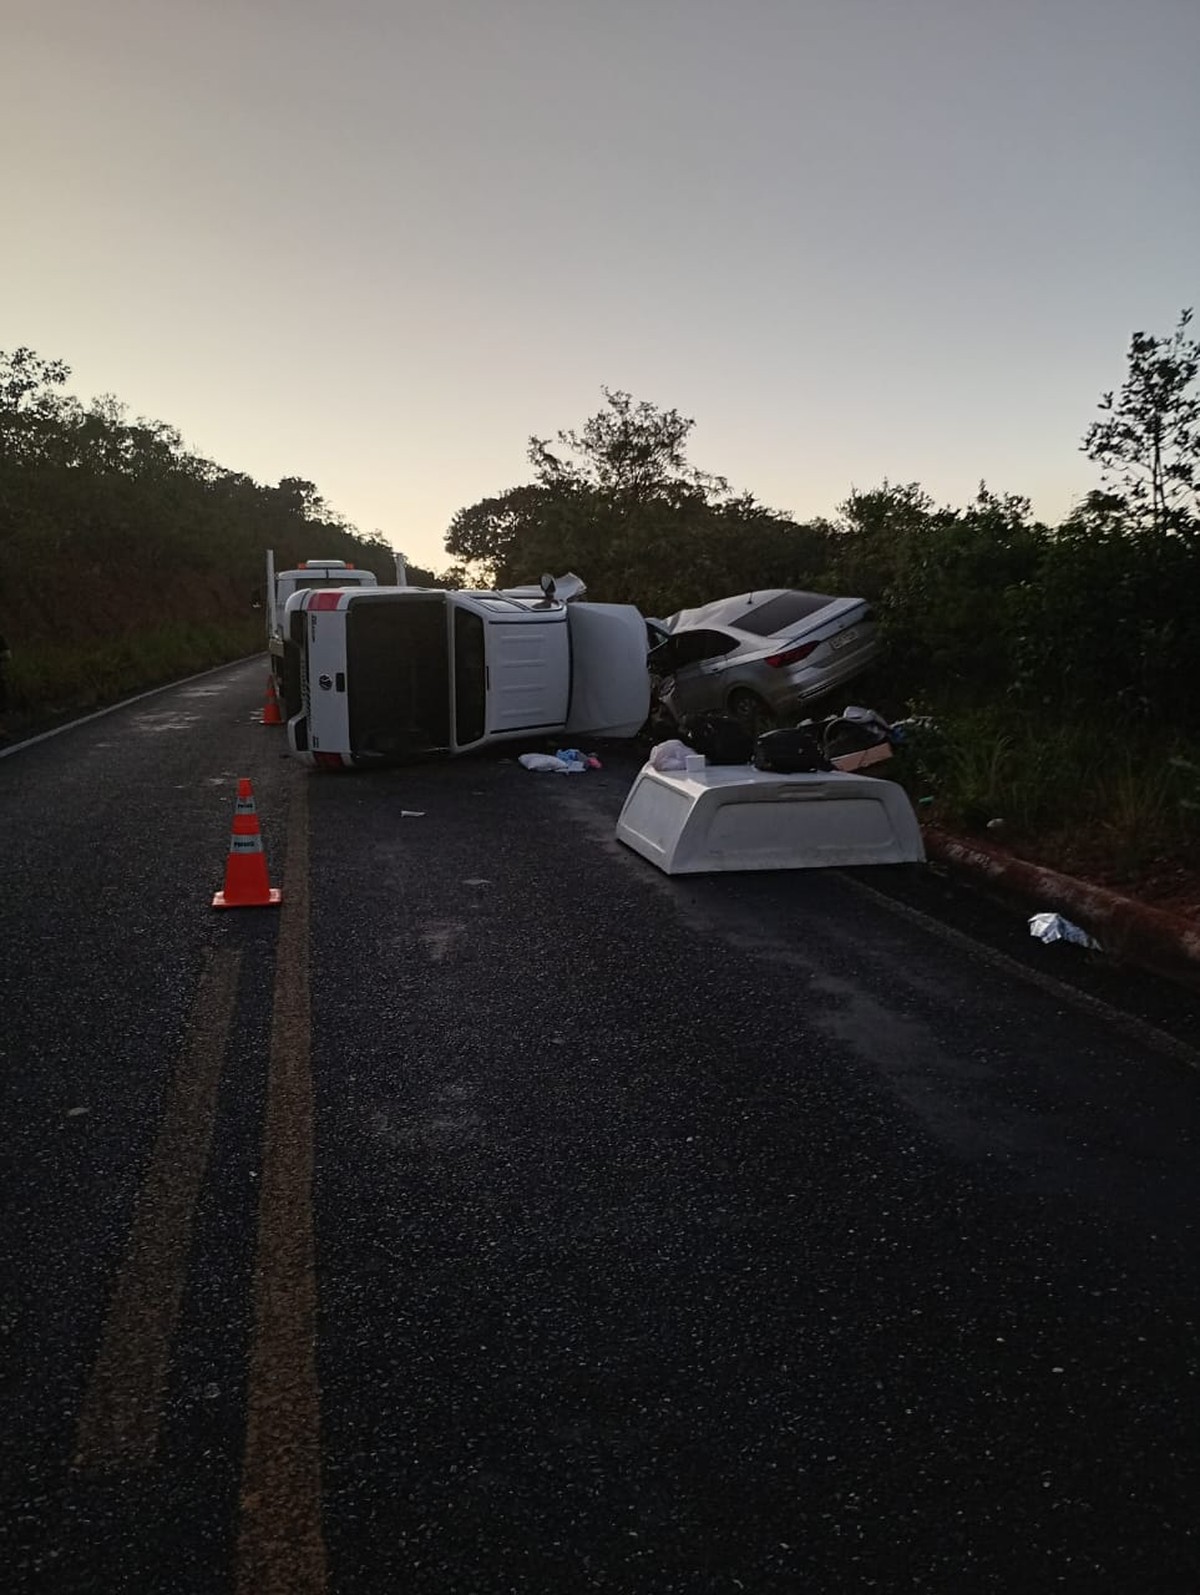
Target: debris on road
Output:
[(1053, 927), (858, 737), (567, 761), (792, 750), (547, 762), (731, 817), (670, 755), (719, 737)]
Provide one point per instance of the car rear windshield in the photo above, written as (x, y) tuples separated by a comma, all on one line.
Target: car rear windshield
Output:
[(782, 613)]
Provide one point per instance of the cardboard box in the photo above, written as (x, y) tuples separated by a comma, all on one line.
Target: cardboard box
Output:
[(849, 762)]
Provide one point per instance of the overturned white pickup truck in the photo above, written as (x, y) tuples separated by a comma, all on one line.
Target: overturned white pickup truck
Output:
[(387, 674)]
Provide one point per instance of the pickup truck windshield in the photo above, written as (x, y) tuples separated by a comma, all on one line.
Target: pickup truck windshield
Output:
[(399, 685)]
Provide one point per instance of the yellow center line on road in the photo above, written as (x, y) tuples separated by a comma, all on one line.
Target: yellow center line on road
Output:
[(281, 1548), (122, 1407)]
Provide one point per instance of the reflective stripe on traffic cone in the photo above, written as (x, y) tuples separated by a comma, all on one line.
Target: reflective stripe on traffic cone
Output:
[(271, 715), (246, 884)]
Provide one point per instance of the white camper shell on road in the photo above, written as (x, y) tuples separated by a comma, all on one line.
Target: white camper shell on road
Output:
[(381, 676)]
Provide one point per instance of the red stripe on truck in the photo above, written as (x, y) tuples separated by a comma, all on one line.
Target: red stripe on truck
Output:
[(327, 600)]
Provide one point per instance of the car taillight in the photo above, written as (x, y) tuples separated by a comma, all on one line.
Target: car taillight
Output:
[(792, 656), (328, 761)]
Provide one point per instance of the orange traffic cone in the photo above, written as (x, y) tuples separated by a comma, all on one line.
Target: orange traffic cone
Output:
[(271, 715), (246, 871)]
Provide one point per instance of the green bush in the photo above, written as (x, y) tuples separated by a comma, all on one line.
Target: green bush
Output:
[(1131, 795)]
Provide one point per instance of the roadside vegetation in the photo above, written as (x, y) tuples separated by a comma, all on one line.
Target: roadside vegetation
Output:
[(125, 558), (1056, 668)]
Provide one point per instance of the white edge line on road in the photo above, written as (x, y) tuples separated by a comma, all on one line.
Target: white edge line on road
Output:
[(96, 714)]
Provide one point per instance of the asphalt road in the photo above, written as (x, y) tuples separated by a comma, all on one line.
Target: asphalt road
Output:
[(499, 1215)]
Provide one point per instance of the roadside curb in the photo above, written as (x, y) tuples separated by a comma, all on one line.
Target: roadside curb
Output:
[(1126, 929)]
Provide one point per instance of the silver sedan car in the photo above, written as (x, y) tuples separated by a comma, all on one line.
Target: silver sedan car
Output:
[(763, 656)]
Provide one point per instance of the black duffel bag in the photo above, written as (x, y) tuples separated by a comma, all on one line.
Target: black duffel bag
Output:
[(721, 738), (792, 750)]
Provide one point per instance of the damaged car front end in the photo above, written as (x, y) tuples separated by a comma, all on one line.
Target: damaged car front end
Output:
[(764, 657)]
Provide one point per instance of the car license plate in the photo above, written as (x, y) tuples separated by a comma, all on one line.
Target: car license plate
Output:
[(843, 638)]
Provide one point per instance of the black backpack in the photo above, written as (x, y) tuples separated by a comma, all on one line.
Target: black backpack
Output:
[(793, 750), (721, 739)]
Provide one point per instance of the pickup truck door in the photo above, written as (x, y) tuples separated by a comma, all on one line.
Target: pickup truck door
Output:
[(610, 682)]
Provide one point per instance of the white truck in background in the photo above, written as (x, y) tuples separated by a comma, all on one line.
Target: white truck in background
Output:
[(316, 573), (389, 674)]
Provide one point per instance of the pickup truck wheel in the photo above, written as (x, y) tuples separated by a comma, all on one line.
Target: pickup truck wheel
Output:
[(751, 713)]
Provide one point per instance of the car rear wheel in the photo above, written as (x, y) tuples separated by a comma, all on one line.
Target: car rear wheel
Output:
[(751, 713)]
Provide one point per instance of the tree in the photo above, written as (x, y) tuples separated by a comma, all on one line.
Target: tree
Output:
[(30, 405), (949, 597), (872, 534), (1110, 623), (1147, 442), (26, 379), (492, 533), (633, 450), (619, 502), (301, 498)]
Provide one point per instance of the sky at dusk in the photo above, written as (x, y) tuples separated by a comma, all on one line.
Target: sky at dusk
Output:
[(378, 243)]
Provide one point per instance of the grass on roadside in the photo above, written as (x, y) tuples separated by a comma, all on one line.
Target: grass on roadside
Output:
[(1096, 793), (51, 678)]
